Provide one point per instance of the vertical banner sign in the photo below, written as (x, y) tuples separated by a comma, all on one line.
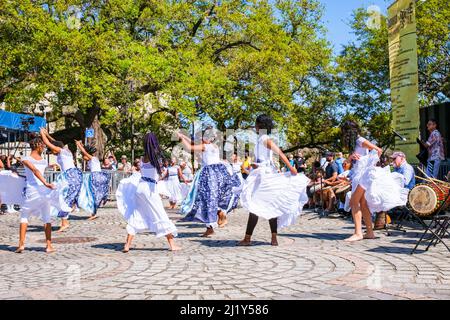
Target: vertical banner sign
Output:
[(404, 75)]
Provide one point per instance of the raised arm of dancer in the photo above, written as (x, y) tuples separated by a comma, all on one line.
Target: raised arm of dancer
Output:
[(271, 145), (38, 175), (187, 143), (83, 150), (369, 145), (45, 138)]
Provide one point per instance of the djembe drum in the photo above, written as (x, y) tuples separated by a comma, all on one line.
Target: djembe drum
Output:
[(426, 200)]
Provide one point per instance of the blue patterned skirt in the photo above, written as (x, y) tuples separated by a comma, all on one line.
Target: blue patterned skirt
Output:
[(74, 178), (214, 193), (100, 188)]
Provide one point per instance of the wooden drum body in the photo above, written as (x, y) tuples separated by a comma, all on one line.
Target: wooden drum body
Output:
[(427, 199)]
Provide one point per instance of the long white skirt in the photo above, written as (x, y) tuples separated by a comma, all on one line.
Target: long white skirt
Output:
[(174, 188), (185, 187), (140, 204), (385, 190), (269, 194), (162, 189), (11, 188), (40, 200)]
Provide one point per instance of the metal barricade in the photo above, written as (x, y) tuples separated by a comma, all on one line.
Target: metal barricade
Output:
[(115, 178)]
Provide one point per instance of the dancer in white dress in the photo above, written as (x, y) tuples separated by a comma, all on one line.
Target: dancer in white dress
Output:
[(360, 182), (69, 173), (277, 197), (162, 181), (36, 202), (138, 198), (172, 178)]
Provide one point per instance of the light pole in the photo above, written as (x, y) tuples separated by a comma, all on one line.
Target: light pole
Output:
[(131, 85)]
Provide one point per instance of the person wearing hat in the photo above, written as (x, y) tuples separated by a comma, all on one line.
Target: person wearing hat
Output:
[(124, 165), (404, 168)]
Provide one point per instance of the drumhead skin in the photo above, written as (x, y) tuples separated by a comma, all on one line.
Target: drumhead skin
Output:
[(423, 200)]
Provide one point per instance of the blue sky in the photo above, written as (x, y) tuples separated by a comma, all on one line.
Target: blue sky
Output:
[(338, 14)]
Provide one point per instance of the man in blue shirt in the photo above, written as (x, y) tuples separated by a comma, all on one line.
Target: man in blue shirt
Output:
[(339, 162), (404, 168)]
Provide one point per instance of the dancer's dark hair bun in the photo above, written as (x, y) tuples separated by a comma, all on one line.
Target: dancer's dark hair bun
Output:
[(36, 143), (59, 144), (265, 122), (90, 149)]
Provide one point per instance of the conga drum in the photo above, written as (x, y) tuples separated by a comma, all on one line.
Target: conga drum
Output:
[(427, 199), (342, 191)]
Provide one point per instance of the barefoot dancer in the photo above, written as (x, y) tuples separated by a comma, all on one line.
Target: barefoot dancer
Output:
[(214, 184), (173, 176), (139, 201), (37, 194), (98, 179), (277, 197), (360, 159), (70, 173)]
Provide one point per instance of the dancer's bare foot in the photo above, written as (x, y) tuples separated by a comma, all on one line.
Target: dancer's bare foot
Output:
[(20, 249), (208, 233), (126, 249), (246, 242), (222, 222), (174, 248), (354, 238), (92, 218), (62, 229), (369, 236), (49, 249), (274, 241)]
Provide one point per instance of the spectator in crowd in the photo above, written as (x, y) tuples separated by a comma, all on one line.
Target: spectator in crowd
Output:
[(136, 166), (124, 165), (246, 165), (339, 162), (404, 168), (113, 161), (300, 163), (2, 160), (106, 165), (331, 179), (435, 146)]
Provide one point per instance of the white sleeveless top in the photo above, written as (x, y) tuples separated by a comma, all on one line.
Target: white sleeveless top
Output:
[(263, 154), (359, 149), (211, 155), (149, 171), (173, 172), (40, 165), (94, 165), (236, 167), (65, 160)]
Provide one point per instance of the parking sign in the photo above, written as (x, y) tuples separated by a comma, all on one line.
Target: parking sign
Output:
[(90, 133)]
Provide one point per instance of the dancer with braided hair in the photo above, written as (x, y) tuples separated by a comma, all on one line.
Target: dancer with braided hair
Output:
[(138, 198)]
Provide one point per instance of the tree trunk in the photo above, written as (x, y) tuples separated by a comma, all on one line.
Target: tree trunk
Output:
[(99, 138)]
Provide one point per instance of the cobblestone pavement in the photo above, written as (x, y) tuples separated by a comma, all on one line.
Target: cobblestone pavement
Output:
[(312, 262)]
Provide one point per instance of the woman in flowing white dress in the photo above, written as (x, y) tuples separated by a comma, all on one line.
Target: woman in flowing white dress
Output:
[(173, 177), (277, 197), (360, 182), (162, 181), (139, 201), (38, 195)]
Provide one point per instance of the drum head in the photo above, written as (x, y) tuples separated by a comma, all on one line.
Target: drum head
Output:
[(343, 189), (423, 199)]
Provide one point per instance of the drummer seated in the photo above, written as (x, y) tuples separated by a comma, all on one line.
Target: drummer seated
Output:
[(404, 168)]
